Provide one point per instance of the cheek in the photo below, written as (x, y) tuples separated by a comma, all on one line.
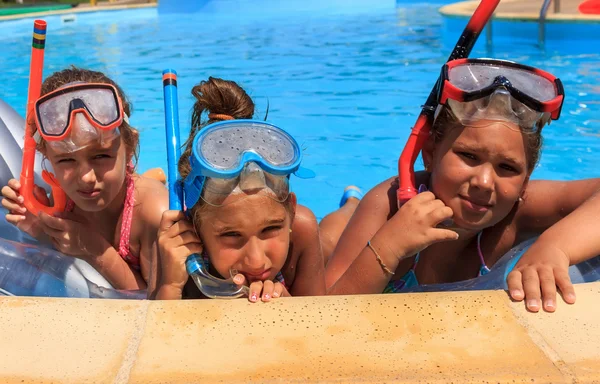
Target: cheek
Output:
[(510, 190), (223, 259), (67, 175), (448, 176), (277, 249)]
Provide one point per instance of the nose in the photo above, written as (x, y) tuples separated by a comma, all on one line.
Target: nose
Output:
[(483, 178), (87, 174), (254, 254)]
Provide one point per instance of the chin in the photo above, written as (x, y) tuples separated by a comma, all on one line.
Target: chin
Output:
[(90, 205), (471, 222)]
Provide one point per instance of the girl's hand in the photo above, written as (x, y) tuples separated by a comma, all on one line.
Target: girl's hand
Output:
[(414, 227), (537, 274), (177, 240), (265, 290), (72, 235), (17, 213)]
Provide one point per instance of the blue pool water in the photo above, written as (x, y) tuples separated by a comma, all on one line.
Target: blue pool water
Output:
[(345, 78)]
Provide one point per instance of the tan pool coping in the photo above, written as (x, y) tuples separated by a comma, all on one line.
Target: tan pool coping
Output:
[(78, 9), (459, 337), (523, 10)]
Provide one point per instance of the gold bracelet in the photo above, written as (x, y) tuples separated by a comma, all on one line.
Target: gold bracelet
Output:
[(381, 263)]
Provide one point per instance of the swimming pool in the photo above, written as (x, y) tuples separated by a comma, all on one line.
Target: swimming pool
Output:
[(346, 82)]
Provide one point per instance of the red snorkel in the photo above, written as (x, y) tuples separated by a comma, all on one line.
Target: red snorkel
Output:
[(420, 132), (28, 163)]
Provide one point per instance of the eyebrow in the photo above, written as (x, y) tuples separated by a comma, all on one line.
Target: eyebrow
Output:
[(227, 228), (473, 148), (280, 220)]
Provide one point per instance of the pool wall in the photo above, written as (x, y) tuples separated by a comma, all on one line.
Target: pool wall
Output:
[(181, 6), (563, 32), (439, 337)]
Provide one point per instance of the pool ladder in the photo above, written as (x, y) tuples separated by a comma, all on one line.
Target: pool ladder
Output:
[(542, 20), (541, 23)]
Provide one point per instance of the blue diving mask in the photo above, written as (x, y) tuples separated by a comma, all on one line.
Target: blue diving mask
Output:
[(241, 156)]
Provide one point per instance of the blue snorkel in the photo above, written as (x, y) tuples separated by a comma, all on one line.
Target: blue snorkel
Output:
[(172, 131), (209, 285)]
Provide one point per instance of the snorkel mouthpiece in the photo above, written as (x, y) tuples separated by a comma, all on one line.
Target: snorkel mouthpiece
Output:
[(211, 286)]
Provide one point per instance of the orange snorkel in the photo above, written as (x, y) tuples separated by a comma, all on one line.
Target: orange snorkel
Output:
[(28, 163), (420, 132)]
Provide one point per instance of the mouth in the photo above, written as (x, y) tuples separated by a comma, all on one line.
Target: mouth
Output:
[(257, 275), (88, 194), (475, 205)]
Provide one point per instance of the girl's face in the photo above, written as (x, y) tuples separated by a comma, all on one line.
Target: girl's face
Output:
[(249, 233), (93, 176), (479, 172)]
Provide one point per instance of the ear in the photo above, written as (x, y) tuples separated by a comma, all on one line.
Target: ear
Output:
[(428, 152), (293, 202), (524, 188)]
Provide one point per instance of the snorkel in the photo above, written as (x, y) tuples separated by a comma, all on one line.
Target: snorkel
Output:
[(27, 167), (420, 132), (209, 285)]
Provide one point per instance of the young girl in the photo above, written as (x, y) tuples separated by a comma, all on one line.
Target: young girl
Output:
[(113, 214), (244, 220), (482, 149)]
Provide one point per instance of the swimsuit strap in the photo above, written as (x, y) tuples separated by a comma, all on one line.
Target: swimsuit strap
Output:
[(127, 221), (278, 277), (70, 205), (484, 268)]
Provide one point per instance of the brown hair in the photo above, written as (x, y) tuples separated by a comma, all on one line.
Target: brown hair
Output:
[(73, 74), (446, 121), (220, 100)]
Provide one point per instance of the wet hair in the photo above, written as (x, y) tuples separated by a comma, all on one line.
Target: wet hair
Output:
[(73, 74), (217, 98), (446, 121)]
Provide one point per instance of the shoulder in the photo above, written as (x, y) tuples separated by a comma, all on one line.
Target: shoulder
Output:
[(305, 223), (152, 199), (381, 198), (547, 201)]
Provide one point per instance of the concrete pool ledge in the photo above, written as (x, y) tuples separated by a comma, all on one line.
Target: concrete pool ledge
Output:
[(518, 10), (80, 9), (430, 337)]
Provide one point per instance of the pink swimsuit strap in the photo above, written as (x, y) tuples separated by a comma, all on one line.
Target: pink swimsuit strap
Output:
[(126, 222)]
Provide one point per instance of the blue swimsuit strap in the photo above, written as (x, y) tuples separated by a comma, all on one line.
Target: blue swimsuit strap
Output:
[(399, 284)]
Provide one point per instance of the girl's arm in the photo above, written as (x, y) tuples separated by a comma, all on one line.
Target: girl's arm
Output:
[(370, 215), (116, 270), (310, 272), (72, 236), (154, 202), (411, 229), (569, 240), (546, 202)]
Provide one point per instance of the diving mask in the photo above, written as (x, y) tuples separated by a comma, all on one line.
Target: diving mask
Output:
[(241, 155), (477, 89), (71, 117)]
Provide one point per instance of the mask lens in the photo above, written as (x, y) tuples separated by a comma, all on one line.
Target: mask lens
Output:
[(471, 77), (223, 148), (101, 102), (53, 116)]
